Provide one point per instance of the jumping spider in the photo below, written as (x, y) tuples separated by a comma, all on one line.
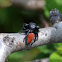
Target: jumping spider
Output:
[(31, 31)]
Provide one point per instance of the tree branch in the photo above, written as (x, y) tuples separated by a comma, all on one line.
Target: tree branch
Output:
[(11, 42), (29, 4)]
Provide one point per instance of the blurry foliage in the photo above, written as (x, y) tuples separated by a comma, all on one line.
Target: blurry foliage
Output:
[(55, 57), (52, 5), (12, 19), (4, 3)]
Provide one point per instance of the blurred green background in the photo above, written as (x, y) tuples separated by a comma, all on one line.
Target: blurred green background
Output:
[(12, 19)]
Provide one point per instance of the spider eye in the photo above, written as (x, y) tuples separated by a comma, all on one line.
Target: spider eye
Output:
[(32, 26)]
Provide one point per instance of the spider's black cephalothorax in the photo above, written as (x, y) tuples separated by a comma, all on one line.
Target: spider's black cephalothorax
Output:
[(30, 28), (55, 16)]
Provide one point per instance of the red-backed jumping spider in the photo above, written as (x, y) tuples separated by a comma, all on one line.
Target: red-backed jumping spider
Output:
[(31, 29)]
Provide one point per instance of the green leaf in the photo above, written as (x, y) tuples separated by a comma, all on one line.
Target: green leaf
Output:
[(5, 3), (55, 57), (59, 49), (47, 49)]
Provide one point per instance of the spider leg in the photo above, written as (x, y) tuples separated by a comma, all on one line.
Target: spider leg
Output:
[(25, 39), (36, 36)]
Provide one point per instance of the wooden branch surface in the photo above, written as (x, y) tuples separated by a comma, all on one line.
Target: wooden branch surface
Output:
[(11, 42)]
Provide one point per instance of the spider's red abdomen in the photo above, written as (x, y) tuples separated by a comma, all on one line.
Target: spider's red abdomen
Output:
[(30, 37)]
